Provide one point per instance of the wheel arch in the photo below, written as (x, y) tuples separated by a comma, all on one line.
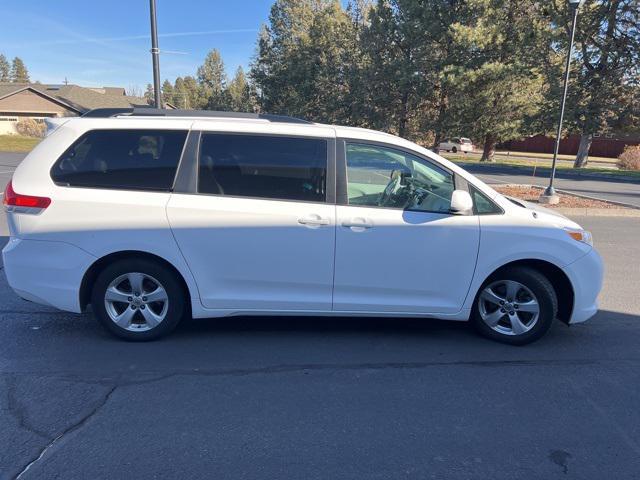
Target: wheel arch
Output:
[(96, 267), (559, 280)]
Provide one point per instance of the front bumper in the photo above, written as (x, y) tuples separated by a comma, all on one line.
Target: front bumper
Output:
[(46, 272), (586, 276)]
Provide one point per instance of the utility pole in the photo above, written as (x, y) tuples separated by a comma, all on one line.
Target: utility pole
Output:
[(549, 196), (155, 55)]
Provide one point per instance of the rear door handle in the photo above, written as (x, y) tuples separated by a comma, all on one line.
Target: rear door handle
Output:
[(357, 223), (313, 220)]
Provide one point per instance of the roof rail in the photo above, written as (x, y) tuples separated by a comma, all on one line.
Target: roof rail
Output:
[(106, 112), (156, 112)]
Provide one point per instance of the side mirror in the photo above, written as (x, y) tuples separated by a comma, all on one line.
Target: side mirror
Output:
[(461, 203)]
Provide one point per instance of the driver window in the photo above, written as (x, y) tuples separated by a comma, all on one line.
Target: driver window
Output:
[(389, 178)]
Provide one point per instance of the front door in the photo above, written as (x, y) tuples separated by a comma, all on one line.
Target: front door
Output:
[(398, 249), (258, 234)]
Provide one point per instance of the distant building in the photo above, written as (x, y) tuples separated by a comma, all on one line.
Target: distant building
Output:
[(37, 101)]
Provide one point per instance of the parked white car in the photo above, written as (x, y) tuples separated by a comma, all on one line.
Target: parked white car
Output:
[(456, 144), (150, 216)]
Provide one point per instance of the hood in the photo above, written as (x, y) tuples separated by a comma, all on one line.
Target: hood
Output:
[(544, 214)]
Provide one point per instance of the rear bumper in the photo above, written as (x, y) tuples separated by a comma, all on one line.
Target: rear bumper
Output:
[(46, 272), (586, 275)]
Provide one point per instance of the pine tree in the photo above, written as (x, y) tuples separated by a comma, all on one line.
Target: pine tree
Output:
[(213, 81), (499, 83), (192, 93), (168, 93), (5, 69), (606, 69), (149, 94), (280, 66), (393, 42), (19, 73), (240, 93)]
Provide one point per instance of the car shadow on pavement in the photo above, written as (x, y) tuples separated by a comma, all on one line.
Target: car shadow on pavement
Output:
[(605, 324), (318, 324)]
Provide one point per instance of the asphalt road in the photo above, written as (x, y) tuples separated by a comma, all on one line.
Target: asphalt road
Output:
[(317, 398), (622, 191)]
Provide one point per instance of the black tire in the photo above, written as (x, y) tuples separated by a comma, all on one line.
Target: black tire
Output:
[(545, 294), (454, 149), (176, 298)]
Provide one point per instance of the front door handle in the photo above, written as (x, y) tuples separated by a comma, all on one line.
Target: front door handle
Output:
[(357, 223), (313, 220)]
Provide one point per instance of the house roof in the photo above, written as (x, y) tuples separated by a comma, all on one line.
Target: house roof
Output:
[(79, 99), (110, 90)]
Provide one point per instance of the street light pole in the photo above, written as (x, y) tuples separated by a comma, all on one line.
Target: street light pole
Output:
[(155, 55), (549, 196)]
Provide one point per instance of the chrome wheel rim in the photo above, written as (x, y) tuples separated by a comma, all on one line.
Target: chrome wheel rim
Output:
[(508, 307), (136, 302)]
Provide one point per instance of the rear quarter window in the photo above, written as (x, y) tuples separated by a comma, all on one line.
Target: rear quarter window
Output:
[(121, 159)]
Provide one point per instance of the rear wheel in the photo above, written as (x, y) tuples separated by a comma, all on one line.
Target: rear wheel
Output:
[(516, 306), (454, 149), (138, 299)]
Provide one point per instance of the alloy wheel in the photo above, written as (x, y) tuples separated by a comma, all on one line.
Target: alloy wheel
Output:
[(508, 307), (136, 302)]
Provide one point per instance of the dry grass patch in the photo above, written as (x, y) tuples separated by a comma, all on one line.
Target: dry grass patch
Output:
[(17, 143)]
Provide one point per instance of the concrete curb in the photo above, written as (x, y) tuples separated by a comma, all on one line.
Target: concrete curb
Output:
[(598, 212)]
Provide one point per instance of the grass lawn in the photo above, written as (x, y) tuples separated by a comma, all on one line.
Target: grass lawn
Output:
[(17, 143), (549, 156), (543, 165)]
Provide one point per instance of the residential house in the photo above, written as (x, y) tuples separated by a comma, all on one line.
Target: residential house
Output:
[(37, 101)]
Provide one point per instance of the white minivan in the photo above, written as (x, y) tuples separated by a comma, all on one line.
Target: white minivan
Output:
[(149, 216)]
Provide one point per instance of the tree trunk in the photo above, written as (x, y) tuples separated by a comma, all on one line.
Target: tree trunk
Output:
[(442, 110), (582, 156), (489, 149), (402, 123)]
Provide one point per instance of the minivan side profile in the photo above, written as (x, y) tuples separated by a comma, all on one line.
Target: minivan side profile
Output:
[(149, 216)]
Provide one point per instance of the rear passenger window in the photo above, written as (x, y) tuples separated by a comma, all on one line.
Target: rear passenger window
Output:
[(122, 159), (261, 166)]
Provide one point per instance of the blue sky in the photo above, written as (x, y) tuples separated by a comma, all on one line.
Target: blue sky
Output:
[(106, 42)]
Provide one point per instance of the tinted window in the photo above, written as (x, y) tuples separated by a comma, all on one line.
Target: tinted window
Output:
[(481, 204), (385, 177), (262, 166), (125, 159)]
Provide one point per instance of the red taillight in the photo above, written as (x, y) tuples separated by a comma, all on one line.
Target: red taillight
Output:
[(13, 199)]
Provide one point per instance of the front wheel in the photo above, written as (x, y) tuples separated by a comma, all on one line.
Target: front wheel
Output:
[(138, 299), (454, 149), (516, 306)]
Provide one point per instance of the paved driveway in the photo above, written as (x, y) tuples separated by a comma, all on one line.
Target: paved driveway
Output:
[(317, 398)]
